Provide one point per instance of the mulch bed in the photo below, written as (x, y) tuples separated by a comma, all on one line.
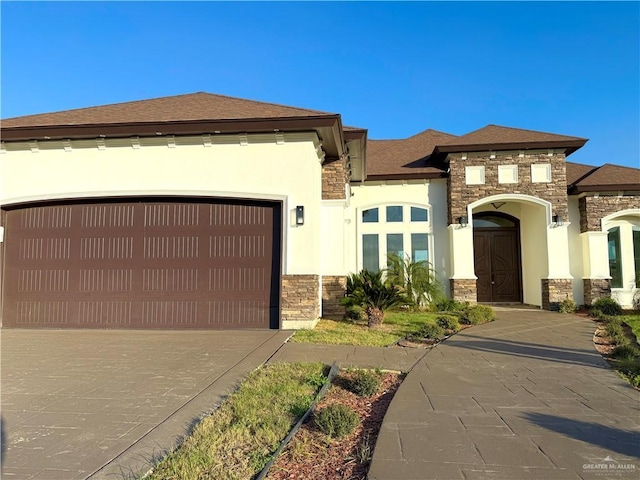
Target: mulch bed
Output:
[(311, 455)]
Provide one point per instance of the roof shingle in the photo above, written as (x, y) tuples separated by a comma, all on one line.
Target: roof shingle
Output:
[(609, 178), (189, 107), (408, 157)]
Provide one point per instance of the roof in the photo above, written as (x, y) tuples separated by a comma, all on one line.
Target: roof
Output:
[(178, 108), (577, 171), (605, 178), (190, 114), (496, 137), (406, 158)]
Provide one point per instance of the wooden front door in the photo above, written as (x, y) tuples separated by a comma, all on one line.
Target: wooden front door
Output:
[(497, 264)]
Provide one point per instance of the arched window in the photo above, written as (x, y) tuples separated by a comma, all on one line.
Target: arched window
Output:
[(395, 228)]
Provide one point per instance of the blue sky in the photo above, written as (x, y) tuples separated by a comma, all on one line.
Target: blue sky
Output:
[(394, 68)]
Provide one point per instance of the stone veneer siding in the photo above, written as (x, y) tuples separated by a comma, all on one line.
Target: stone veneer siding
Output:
[(464, 290), (592, 209), (554, 291), (333, 290), (335, 176), (595, 288), (300, 297), (460, 195)]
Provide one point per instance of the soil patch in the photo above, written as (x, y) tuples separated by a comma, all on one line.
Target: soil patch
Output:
[(311, 455)]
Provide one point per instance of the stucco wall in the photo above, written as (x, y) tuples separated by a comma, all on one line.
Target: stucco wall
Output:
[(430, 194), (285, 168), (576, 257)]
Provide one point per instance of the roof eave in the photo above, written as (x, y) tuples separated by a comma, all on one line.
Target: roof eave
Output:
[(570, 146), (327, 126), (405, 176), (629, 187)]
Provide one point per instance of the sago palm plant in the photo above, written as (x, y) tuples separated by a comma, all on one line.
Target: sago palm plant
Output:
[(368, 290)]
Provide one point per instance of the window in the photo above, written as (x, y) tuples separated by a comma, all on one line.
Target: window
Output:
[(419, 214), (403, 230), (636, 253), (541, 173), (395, 244), (419, 247), (394, 213), (474, 175), (370, 252), (507, 174), (370, 216), (615, 264)]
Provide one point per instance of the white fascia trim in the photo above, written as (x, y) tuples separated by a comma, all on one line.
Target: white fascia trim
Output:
[(205, 140)]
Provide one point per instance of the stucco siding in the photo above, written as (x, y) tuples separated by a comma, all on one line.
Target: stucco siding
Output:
[(244, 166)]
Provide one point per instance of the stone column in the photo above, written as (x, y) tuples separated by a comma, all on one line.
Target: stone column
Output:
[(463, 277), (300, 306), (595, 261), (558, 285)]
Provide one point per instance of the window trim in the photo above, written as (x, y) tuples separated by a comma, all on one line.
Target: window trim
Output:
[(382, 228)]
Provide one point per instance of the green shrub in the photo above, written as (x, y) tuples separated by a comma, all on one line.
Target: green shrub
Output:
[(336, 420), (610, 319), (568, 306), (624, 352), (616, 333), (477, 314), (608, 306), (630, 368), (448, 322), (432, 331), (595, 313), (449, 305), (364, 383)]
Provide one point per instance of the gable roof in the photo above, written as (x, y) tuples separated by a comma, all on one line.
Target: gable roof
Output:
[(607, 178), (406, 158), (190, 114), (188, 107), (496, 137)]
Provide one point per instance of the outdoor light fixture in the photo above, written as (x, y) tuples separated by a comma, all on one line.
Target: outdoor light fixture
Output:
[(463, 221), (300, 215), (557, 219)]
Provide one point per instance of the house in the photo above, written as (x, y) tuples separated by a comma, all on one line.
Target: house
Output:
[(206, 211)]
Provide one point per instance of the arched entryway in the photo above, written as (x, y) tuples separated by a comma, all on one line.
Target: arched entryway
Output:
[(497, 260)]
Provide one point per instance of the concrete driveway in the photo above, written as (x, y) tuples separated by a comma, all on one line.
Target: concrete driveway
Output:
[(100, 404)]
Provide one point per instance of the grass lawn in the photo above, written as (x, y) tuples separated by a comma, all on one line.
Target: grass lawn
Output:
[(237, 441), (634, 322), (396, 326)]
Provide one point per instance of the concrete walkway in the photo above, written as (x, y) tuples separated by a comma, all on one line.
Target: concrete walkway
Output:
[(345, 356), (524, 397)]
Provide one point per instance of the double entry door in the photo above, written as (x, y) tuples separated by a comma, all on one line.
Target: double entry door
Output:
[(497, 264)]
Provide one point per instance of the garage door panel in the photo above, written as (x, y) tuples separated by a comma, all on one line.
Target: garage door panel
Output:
[(142, 265)]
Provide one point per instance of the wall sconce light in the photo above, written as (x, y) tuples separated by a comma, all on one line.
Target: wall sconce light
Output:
[(300, 215), (558, 220), (463, 221)]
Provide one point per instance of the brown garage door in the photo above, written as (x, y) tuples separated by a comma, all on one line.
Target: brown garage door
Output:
[(142, 264)]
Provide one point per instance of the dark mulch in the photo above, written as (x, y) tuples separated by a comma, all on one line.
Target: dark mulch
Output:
[(311, 455)]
